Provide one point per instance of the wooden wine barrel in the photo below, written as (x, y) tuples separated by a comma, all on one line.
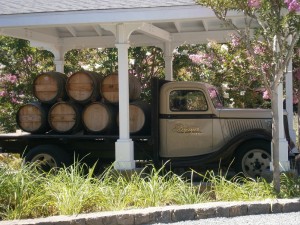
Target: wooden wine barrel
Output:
[(109, 88), (83, 86), (49, 87), (98, 117), (65, 117), (32, 118), (139, 117)]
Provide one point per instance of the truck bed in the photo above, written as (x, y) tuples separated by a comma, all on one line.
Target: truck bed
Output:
[(18, 142), (25, 135)]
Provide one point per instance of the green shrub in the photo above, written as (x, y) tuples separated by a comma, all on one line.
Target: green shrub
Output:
[(26, 193)]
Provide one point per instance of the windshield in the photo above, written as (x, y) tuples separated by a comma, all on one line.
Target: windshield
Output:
[(215, 97)]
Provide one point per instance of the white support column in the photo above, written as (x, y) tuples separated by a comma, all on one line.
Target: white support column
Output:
[(59, 65), (289, 101), (59, 58), (283, 144), (124, 152), (168, 57), (57, 50)]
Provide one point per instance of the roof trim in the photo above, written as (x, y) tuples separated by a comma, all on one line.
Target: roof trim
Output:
[(106, 16)]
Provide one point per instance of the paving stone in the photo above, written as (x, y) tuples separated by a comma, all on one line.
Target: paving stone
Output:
[(204, 213), (255, 209), (291, 207), (183, 214), (276, 207), (143, 218), (168, 214), (238, 210), (163, 216), (125, 219), (94, 221), (222, 211), (109, 220)]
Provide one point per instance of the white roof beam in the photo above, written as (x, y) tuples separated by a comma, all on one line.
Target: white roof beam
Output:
[(98, 30), (88, 42), (72, 31), (154, 31), (30, 35), (108, 41), (205, 25), (178, 26), (201, 37)]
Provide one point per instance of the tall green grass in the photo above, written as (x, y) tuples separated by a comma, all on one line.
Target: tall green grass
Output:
[(26, 193), (20, 195), (144, 189), (238, 188)]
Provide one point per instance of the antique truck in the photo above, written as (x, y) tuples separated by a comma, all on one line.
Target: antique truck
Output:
[(188, 127)]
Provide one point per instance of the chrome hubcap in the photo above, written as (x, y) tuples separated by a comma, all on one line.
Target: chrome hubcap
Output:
[(255, 162), (44, 162)]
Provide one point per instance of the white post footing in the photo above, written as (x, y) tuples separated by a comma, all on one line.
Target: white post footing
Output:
[(124, 155)]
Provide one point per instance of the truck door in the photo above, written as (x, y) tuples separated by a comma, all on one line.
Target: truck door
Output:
[(186, 126)]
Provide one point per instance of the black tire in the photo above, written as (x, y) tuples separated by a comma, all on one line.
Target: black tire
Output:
[(253, 158), (47, 157)]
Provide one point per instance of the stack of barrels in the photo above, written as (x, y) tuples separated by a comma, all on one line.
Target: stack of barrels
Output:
[(85, 101)]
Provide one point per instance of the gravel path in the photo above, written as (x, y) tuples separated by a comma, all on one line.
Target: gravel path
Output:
[(266, 219)]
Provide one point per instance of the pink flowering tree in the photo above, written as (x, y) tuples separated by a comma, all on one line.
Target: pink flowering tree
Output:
[(19, 64), (219, 64), (296, 82), (276, 28)]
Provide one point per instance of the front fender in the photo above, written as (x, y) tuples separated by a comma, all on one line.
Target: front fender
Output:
[(228, 150)]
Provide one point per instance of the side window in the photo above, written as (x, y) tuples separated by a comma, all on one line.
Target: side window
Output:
[(187, 100)]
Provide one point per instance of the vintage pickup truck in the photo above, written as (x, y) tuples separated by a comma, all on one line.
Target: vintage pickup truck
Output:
[(189, 128)]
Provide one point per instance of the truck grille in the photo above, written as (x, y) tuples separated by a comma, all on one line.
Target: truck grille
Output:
[(237, 126)]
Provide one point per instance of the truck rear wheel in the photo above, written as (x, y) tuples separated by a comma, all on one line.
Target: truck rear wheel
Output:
[(47, 157), (253, 158)]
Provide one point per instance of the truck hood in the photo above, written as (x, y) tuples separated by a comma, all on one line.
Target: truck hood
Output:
[(245, 113)]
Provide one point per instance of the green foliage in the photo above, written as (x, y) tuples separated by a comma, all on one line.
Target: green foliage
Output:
[(19, 65), (68, 191), (239, 188), (25, 193), (155, 188), (146, 63), (72, 191), (20, 195), (101, 60), (224, 65), (276, 27), (290, 185)]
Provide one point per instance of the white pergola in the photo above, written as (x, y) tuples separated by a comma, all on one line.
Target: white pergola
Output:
[(61, 25)]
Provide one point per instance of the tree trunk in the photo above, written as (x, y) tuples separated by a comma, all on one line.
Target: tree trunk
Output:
[(275, 140), (298, 114)]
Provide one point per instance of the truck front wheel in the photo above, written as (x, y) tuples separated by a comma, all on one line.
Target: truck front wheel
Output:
[(253, 158), (47, 157)]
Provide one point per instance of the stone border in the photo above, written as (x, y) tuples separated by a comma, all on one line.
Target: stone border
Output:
[(169, 214)]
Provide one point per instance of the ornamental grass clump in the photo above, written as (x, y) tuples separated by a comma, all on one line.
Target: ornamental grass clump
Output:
[(238, 188), (71, 191), (28, 193), (146, 189), (21, 194), (290, 185)]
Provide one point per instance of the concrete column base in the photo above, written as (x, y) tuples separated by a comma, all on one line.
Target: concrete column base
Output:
[(284, 162), (284, 166), (124, 155)]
